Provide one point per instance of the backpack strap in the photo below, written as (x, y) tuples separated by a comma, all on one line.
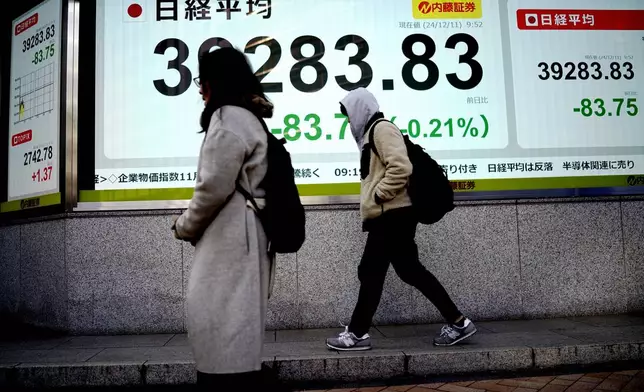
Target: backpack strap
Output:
[(372, 142), (248, 197), (238, 186)]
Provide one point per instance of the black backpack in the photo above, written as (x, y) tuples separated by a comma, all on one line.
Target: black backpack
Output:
[(429, 188), (283, 216)]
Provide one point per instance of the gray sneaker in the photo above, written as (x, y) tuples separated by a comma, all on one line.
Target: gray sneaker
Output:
[(451, 334), (347, 341)]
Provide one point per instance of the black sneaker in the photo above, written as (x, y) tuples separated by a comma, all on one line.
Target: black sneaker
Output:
[(452, 334)]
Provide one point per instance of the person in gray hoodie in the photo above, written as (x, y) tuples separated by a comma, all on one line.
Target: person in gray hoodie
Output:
[(388, 217)]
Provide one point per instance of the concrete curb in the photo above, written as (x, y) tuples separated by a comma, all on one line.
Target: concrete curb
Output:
[(343, 368)]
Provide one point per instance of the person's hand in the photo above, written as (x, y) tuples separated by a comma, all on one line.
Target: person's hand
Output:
[(174, 228)]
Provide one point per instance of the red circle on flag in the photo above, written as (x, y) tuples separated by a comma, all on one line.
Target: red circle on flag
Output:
[(134, 10), (532, 20)]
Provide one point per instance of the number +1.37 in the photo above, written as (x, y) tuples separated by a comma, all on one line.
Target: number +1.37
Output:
[(316, 62), (42, 175)]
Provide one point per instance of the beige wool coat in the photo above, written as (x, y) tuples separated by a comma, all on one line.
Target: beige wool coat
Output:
[(384, 187), (229, 283)]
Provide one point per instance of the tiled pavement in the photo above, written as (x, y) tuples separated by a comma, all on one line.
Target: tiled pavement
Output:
[(625, 381), (300, 357)]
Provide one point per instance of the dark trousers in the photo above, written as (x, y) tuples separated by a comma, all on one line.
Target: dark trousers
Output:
[(391, 240), (265, 381)]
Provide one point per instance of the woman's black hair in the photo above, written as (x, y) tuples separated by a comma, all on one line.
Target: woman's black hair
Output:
[(229, 79)]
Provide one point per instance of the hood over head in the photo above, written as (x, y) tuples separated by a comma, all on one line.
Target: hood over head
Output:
[(360, 106)]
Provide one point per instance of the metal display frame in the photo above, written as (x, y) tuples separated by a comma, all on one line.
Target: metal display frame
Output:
[(72, 12), (71, 112), (66, 94)]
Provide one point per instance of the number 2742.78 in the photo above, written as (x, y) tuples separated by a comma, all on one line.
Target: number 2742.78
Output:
[(39, 155)]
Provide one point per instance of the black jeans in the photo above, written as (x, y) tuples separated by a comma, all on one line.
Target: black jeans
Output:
[(392, 241), (265, 380)]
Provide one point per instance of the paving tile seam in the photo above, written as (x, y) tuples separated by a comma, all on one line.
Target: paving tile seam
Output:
[(61, 343), (95, 355), (169, 340), (379, 331)]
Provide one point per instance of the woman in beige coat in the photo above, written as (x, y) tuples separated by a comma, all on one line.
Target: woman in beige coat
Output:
[(229, 282)]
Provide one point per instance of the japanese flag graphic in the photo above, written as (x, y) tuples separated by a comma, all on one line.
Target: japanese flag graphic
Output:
[(532, 20), (134, 10)]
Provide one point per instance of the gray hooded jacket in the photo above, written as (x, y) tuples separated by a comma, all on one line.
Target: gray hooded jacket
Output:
[(360, 105), (384, 177)]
